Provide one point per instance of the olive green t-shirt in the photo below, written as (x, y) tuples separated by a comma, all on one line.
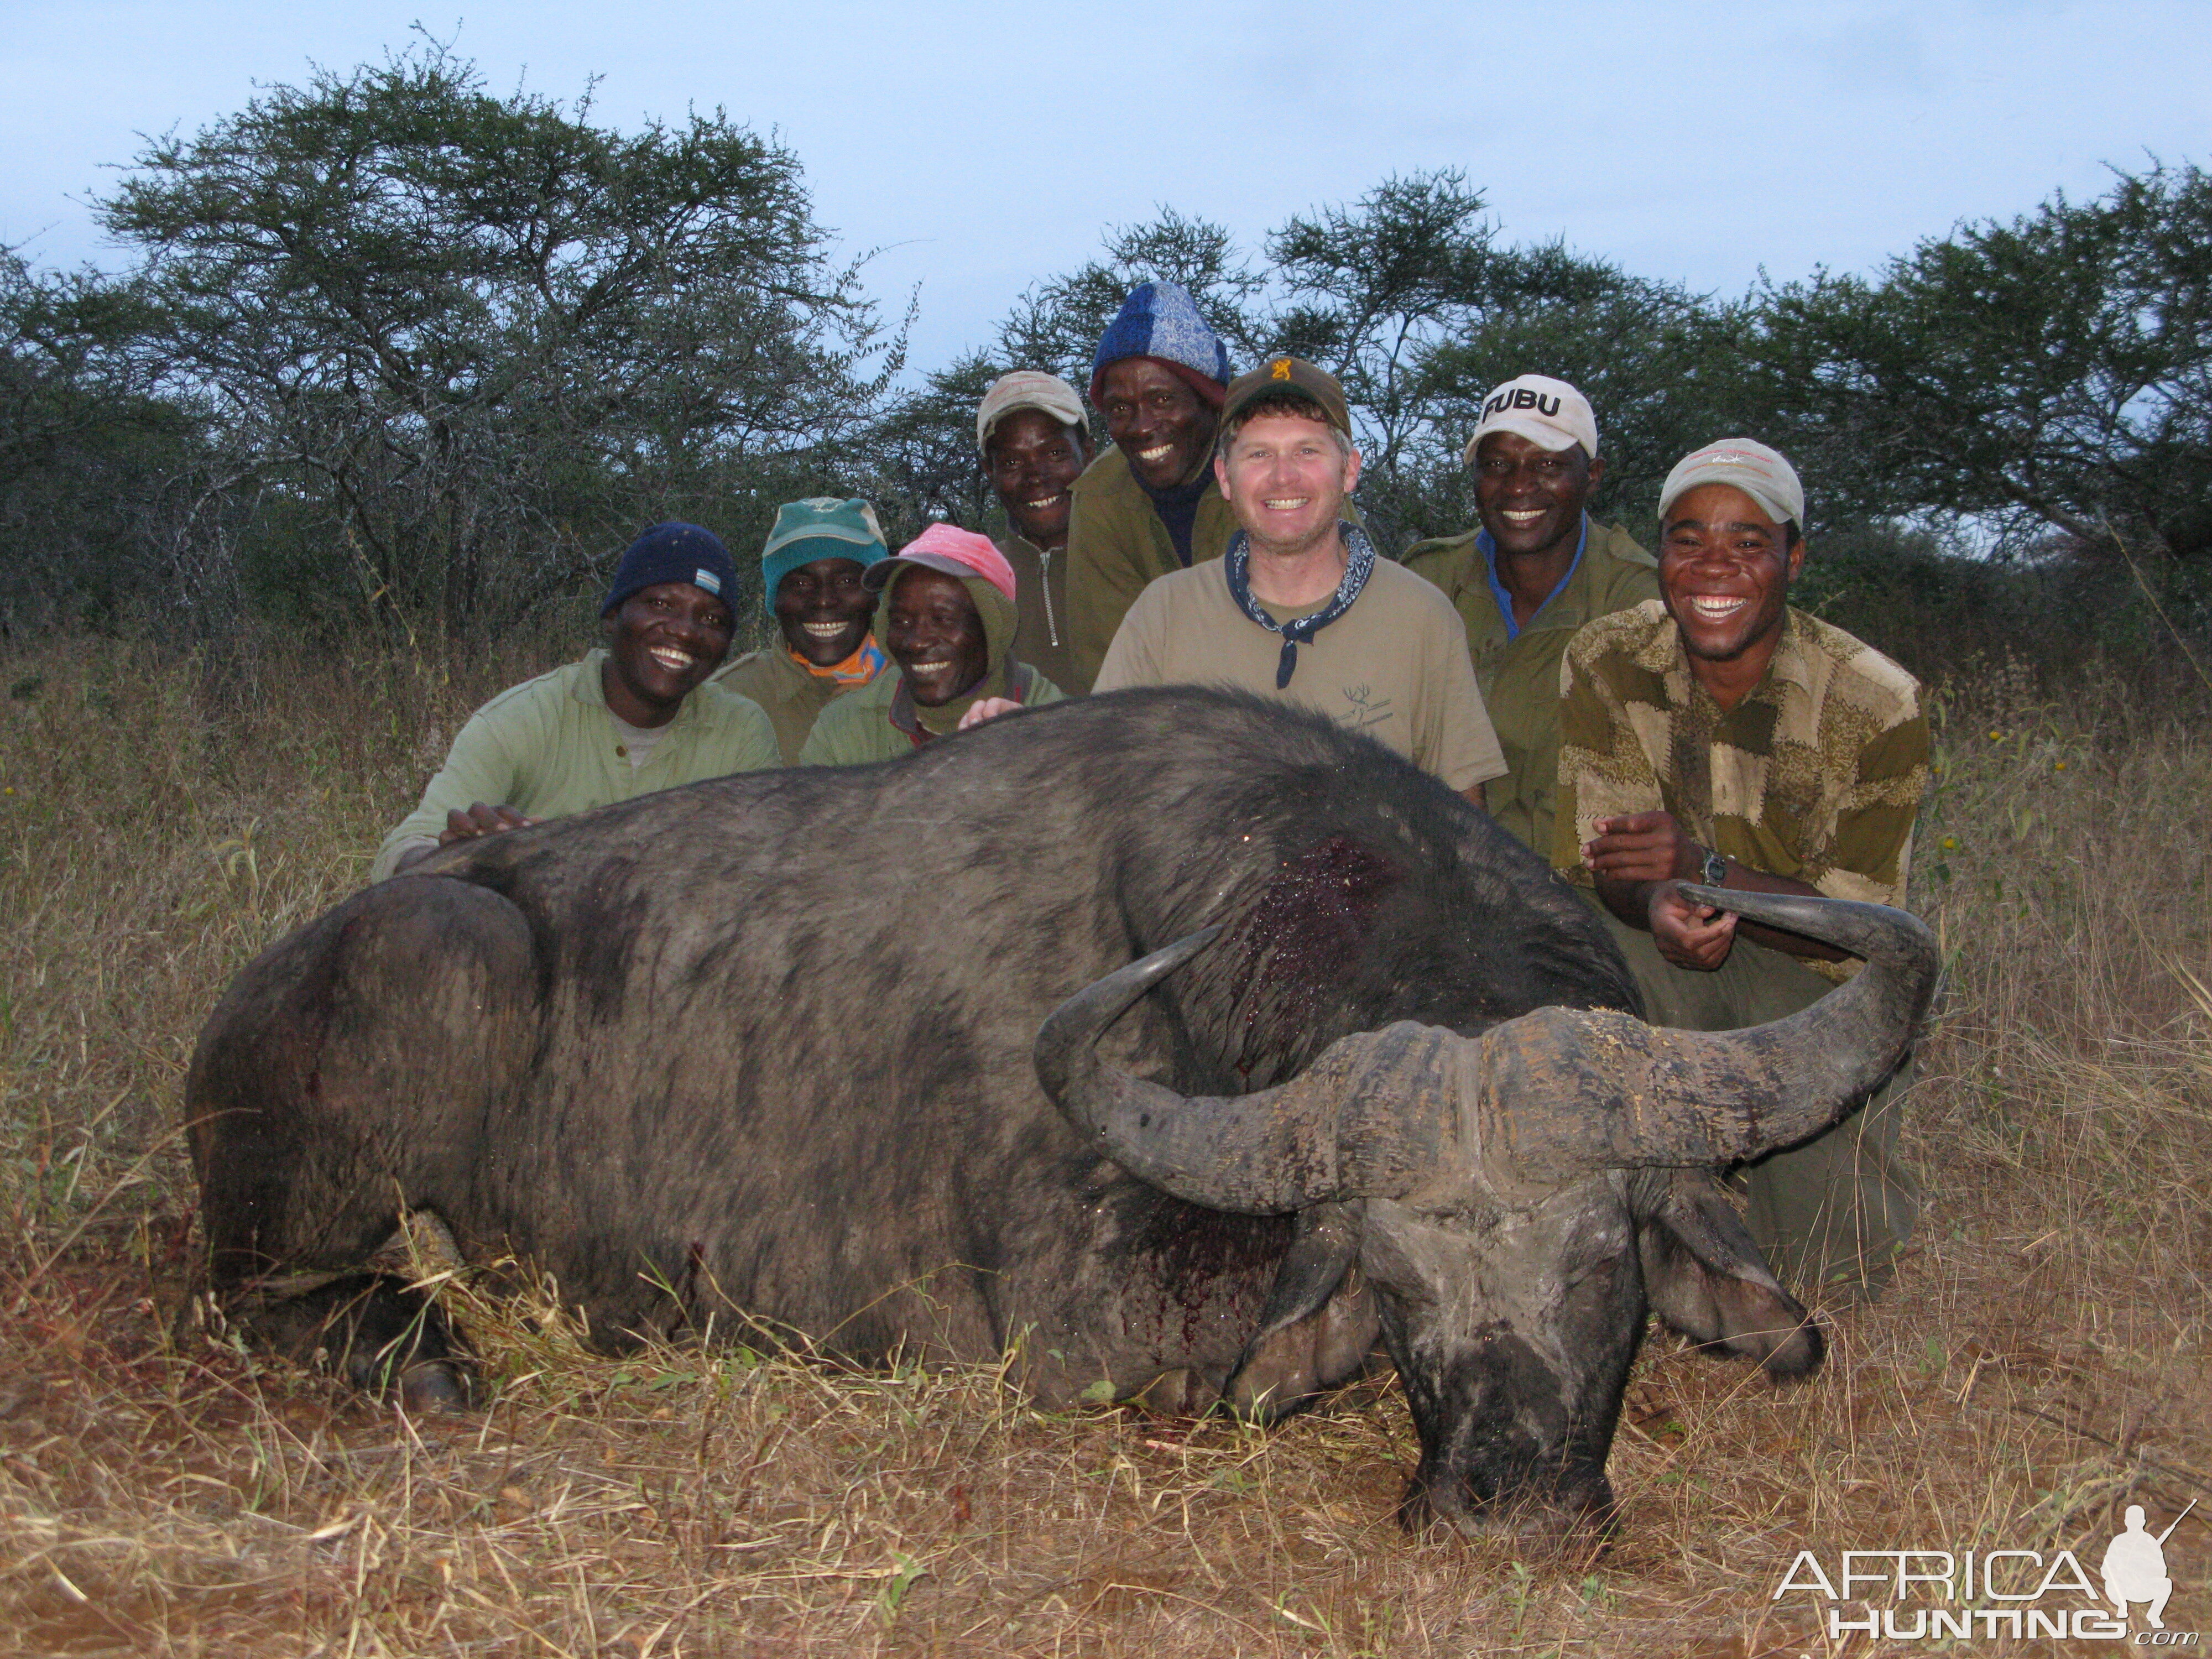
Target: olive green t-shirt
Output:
[(1394, 665), (1519, 675), (550, 746), (875, 723)]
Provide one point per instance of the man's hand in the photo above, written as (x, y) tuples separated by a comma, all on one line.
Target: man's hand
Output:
[(987, 708), (1643, 846), (1688, 935), (480, 820)]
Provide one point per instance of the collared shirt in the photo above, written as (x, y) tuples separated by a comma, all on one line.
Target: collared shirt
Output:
[(793, 696), (1487, 544), (1393, 666), (552, 746), (879, 721), (1045, 639), (1518, 668), (1816, 775)]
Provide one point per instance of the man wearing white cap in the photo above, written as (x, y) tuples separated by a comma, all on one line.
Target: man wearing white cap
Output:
[(1532, 572), (1034, 445), (1716, 735)]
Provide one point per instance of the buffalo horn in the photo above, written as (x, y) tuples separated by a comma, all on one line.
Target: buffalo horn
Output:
[(1367, 1116), (1569, 1090)]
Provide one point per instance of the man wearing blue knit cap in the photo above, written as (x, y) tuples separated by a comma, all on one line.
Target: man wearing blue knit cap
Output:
[(629, 719), (1148, 505)]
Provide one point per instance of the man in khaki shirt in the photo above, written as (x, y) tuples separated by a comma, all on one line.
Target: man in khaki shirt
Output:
[(1299, 608)]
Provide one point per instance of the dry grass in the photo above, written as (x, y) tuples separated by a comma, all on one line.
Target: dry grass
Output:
[(2040, 1363)]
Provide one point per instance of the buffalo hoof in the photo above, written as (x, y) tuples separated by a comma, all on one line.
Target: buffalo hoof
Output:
[(375, 1332), (431, 1386)]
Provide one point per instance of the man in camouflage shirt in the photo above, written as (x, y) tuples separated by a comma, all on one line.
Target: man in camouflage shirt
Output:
[(1716, 735)]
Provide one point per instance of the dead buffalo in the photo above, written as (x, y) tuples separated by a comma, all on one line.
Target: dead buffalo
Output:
[(763, 1049)]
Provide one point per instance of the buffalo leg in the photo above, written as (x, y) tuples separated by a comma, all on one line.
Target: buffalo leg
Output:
[(344, 1083)]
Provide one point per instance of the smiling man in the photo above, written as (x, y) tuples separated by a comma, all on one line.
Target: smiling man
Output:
[(1716, 735), (1150, 504), (811, 581), (1536, 570), (1034, 445), (1300, 607), (631, 718), (949, 608)]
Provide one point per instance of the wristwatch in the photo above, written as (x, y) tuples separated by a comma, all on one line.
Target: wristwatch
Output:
[(1716, 869)]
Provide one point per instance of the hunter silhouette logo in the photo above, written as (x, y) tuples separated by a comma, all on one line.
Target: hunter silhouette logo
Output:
[(2134, 1567), (1282, 368), (1904, 1596)]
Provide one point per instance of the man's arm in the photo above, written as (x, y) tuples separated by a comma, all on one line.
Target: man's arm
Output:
[(470, 795), (1133, 656), (1639, 862)]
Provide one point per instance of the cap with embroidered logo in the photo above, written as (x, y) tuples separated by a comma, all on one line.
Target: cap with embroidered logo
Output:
[(1550, 413), (1288, 374), (1747, 465)]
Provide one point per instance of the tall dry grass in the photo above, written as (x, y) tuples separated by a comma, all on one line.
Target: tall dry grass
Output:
[(2039, 1364)]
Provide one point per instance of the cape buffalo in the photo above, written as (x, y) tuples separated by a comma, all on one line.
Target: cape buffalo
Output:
[(763, 1049)]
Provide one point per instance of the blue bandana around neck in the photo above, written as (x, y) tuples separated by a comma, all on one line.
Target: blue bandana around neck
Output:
[(1358, 565)]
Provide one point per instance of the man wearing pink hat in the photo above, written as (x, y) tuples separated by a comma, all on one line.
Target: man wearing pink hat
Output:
[(1532, 572), (948, 620), (1715, 735), (1031, 430)]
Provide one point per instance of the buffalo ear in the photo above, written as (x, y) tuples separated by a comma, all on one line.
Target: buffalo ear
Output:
[(1320, 1320), (1706, 1277)]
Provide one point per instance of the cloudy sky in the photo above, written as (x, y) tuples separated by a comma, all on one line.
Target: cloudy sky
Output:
[(980, 146)]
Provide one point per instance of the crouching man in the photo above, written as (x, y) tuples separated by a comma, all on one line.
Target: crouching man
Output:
[(950, 612), (631, 718), (1300, 608), (1716, 735), (811, 581)]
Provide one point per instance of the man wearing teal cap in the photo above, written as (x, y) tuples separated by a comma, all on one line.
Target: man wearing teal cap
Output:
[(811, 572)]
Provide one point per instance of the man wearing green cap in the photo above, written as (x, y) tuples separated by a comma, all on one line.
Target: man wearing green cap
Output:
[(1298, 607), (1532, 572), (811, 581), (1715, 735)]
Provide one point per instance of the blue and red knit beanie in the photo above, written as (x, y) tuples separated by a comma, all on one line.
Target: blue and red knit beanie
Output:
[(1160, 320), (673, 552)]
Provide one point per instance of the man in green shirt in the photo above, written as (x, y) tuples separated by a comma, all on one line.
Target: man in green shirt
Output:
[(949, 610), (1715, 735), (1148, 505), (811, 581), (1532, 572), (628, 719), (1030, 430)]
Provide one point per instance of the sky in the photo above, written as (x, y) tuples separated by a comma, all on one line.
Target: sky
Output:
[(978, 148)]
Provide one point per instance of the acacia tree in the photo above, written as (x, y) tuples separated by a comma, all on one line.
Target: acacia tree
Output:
[(2051, 373), (1405, 295), (470, 342)]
